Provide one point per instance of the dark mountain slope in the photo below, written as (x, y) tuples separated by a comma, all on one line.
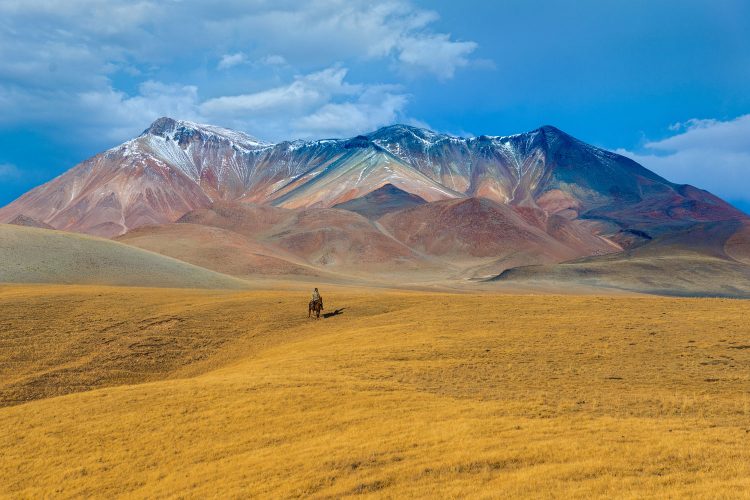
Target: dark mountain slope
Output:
[(383, 200)]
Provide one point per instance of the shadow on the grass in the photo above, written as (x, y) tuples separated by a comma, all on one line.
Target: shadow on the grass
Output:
[(334, 313)]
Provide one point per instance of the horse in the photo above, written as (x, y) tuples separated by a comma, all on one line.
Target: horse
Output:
[(315, 306)]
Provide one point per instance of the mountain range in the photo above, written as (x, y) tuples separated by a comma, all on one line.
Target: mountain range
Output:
[(400, 201)]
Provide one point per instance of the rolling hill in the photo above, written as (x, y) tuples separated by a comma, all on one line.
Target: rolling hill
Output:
[(217, 249), (325, 238), (475, 228), (32, 255)]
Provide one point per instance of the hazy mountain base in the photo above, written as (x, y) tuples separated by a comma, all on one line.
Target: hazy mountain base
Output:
[(402, 394), (708, 259), (698, 260), (686, 275), (446, 242), (32, 255)]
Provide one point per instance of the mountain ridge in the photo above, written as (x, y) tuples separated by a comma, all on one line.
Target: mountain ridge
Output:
[(176, 166)]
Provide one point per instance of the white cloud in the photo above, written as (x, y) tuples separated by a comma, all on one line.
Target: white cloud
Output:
[(9, 172), (710, 154), (75, 44), (304, 92), (731, 135), (436, 54), (81, 40), (319, 104), (118, 116), (351, 29), (273, 60), (229, 60), (374, 108), (315, 105)]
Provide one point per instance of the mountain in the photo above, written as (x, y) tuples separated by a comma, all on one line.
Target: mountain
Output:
[(399, 205), (417, 241), (175, 167), (551, 170)]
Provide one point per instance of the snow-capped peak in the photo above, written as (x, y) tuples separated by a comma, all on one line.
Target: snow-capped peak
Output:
[(399, 131), (170, 128)]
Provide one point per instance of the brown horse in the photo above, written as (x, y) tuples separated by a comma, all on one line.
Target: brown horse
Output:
[(315, 306)]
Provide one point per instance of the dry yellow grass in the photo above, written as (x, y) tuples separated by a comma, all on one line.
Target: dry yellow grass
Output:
[(235, 394)]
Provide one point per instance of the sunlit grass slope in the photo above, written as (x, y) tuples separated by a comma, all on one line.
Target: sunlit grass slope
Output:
[(32, 255), (403, 394)]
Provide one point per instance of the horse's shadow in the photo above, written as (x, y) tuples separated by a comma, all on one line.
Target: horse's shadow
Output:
[(334, 313)]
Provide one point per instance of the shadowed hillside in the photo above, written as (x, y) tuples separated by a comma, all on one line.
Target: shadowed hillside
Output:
[(383, 200)]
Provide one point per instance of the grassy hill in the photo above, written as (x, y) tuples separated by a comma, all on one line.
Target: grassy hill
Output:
[(197, 393), (32, 255)]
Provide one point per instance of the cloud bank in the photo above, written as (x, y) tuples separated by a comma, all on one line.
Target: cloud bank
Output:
[(708, 153), (103, 69)]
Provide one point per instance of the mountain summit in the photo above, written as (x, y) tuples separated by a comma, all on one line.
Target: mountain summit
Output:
[(184, 131), (178, 166)]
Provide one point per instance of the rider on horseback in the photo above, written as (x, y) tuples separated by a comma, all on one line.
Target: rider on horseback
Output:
[(317, 298), (316, 304)]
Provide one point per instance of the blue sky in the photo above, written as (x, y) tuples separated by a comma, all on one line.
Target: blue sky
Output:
[(665, 82)]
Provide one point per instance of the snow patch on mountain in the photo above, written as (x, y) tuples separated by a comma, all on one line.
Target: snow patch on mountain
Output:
[(178, 129), (168, 150)]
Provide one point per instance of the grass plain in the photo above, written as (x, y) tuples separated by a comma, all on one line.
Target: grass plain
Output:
[(109, 391)]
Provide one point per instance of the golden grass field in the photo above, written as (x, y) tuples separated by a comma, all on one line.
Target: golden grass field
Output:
[(196, 393)]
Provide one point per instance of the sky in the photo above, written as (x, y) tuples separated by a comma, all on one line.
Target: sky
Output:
[(664, 82)]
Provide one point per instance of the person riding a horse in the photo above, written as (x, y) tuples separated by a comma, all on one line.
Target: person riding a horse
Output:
[(316, 304)]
